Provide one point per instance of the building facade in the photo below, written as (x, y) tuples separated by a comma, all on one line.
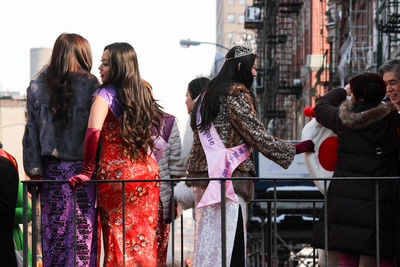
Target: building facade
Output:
[(230, 22), (306, 48), (39, 57), (230, 28), (292, 49), (12, 125)]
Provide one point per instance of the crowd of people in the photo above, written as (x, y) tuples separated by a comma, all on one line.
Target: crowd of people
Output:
[(80, 129)]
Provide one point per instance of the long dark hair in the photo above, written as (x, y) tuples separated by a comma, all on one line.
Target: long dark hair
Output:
[(196, 86), (228, 75), (71, 56), (141, 115)]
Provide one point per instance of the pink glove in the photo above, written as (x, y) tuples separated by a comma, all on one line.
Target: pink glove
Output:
[(89, 154), (305, 146)]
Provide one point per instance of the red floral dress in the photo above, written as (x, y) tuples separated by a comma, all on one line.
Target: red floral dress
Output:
[(141, 201)]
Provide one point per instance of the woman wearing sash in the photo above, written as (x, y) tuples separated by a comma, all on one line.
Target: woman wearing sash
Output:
[(225, 126), (58, 105), (182, 193), (129, 119), (195, 87)]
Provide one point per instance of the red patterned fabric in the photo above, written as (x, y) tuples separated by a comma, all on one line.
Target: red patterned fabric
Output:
[(141, 202), (162, 234)]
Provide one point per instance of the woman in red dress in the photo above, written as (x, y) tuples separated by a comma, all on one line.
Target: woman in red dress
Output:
[(128, 118)]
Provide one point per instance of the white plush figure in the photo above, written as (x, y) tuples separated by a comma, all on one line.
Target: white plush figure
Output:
[(322, 163)]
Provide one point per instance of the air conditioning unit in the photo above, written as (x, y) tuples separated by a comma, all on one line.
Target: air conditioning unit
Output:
[(253, 18)]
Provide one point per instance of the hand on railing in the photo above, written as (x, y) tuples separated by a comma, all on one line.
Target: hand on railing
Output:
[(89, 154), (77, 180), (32, 187)]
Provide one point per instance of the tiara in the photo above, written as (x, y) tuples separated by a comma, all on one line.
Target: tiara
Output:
[(242, 51)]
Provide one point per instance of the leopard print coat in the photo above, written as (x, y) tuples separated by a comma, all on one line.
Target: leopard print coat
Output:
[(237, 123)]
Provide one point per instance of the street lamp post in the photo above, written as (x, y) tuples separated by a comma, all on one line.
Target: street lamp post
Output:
[(188, 42)]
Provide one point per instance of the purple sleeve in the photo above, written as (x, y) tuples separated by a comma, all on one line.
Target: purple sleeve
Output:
[(109, 94), (168, 122)]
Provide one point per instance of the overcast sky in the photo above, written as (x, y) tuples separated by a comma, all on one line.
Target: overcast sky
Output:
[(153, 28)]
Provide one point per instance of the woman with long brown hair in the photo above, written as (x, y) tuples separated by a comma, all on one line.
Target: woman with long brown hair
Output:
[(129, 120), (58, 105)]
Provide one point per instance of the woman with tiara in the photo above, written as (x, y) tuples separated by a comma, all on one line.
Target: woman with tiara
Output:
[(226, 128)]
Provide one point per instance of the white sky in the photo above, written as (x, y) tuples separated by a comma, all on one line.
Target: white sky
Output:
[(152, 27)]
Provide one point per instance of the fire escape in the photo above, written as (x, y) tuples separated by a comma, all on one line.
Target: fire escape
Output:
[(357, 51), (388, 24), (282, 70), (361, 33)]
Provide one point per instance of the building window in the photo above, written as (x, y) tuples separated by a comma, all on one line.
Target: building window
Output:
[(231, 18), (231, 2), (242, 2), (229, 37), (241, 18)]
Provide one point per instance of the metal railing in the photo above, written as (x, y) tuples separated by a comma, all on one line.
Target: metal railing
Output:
[(272, 211)]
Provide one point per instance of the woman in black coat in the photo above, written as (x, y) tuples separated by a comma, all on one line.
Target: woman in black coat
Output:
[(368, 146)]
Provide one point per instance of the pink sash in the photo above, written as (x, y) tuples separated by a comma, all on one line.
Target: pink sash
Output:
[(221, 162)]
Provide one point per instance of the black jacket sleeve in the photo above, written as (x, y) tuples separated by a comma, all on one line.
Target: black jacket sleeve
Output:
[(9, 185), (327, 109)]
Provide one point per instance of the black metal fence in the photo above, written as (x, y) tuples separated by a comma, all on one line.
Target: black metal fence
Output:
[(263, 252)]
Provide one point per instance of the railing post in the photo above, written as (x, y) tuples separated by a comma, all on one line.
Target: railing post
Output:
[(74, 194), (223, 223), (34, 226), (326, 222), (25, 226), (173, 225), (182, 258), (269, 236), (314, 215), (275, 227), (123, 222), (377, 223), (263, 244)]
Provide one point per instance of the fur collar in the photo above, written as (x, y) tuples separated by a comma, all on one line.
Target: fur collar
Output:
[(365, 118)]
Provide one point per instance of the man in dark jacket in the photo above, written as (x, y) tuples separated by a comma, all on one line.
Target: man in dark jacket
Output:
[(8, 200), (390, 73)]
